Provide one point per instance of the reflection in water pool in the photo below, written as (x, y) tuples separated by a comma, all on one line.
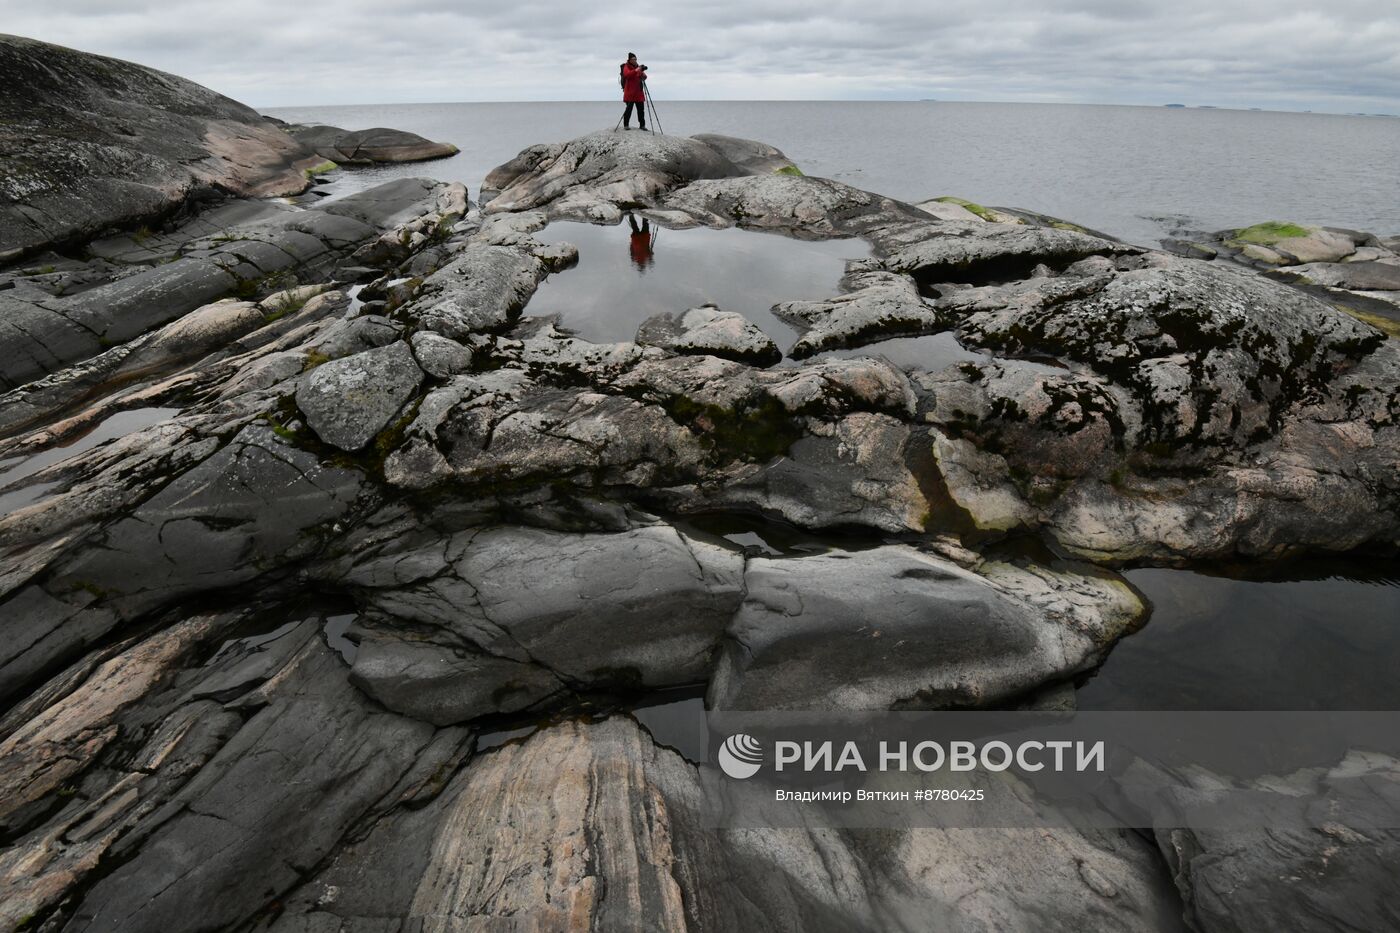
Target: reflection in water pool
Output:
[(1327, 638), (634, 270), (624, 278), (114, 426)]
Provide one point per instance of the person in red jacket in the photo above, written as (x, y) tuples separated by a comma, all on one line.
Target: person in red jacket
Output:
[(633, 94)]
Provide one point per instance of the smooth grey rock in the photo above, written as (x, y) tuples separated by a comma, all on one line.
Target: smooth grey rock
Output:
[(253, 501), (369, 146), (643, 608), (708, 330), (350, 400), (482, 290), (752, 156), (443, 683), (937, 636), (276, 799), (1190, 250), (984, 253), (1303, 865), (258, 252), (807, 208)]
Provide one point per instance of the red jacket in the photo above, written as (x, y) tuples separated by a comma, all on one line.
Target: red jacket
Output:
[(632, 78)]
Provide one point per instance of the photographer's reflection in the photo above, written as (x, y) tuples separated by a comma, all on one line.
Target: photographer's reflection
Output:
[(641, 243)]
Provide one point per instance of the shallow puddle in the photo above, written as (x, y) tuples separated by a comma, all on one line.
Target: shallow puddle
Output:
[(1324, 635), (624, 278), (110, 428)]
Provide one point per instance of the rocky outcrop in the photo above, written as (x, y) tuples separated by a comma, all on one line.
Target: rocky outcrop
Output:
[(874, 305), (247, 645), (91, 143), (368, 147)]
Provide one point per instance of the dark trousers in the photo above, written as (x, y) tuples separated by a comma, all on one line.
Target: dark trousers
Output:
[(641, 114)]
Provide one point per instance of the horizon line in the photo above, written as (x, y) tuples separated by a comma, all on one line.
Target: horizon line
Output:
[(1173, 105)]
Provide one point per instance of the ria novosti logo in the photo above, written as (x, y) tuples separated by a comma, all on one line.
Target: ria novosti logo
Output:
[(741, 756)]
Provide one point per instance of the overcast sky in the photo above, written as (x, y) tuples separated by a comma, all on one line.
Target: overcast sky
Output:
[(1338, 55)]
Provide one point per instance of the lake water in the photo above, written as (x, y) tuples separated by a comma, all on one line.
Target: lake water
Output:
[(1139, 173)]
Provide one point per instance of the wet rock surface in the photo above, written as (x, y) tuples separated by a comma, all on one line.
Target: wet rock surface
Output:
[(500, 512)]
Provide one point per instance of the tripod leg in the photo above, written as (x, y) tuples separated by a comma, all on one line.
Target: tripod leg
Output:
[(656, 121)]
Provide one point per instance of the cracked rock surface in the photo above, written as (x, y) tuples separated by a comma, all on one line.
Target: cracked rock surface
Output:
[(256, 648)]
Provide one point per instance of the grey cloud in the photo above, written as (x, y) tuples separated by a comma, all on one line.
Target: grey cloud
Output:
[(1285, 53)]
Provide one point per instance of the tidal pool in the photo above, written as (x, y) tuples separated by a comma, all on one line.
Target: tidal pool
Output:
[(624, 278)]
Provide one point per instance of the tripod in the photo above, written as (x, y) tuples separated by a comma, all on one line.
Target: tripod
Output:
[(651, 104), (649, 107)]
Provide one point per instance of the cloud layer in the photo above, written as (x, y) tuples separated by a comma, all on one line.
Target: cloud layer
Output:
[(1342, 56)]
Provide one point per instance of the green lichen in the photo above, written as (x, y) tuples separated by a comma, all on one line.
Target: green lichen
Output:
[(320, 168), (1269, 233), (972, 206), (788, 170), (314, 358)]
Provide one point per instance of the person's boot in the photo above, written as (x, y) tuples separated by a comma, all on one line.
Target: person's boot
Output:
[(642, 127)]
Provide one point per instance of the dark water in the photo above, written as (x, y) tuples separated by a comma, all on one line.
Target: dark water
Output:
[(1322, 636), (1135, 172), (14, 494)]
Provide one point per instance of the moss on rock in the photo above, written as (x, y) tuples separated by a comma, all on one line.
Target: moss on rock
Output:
[(1269, 233)]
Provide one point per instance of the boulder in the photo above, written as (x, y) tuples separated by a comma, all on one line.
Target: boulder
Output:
[(708, 330), (1292, 243), (348, 401), (615, 167), (1353, 276)]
